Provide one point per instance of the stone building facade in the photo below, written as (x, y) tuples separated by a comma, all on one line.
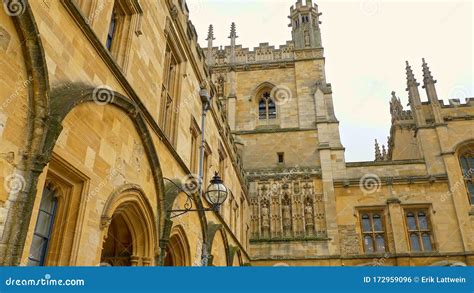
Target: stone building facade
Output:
[(100, 124)]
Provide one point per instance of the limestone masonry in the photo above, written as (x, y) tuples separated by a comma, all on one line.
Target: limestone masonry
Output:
[(100, 131)]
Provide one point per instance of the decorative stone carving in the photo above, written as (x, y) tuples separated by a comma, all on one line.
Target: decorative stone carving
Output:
[(309, 216), (265, 212), (288, 207), (105, 223), (286, 215)]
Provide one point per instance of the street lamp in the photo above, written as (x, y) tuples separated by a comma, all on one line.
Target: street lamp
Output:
[(216, 193)]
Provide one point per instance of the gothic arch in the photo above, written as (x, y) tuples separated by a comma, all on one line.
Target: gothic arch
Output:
[(172, 191), (178, 248), (463, 146), (212, 230), (260, 88), (65, 98), (464, 153), (239, 256), (234, 254), (130, 202), (30, 165)]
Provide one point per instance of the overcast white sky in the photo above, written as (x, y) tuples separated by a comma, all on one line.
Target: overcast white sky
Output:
[(366, 44)]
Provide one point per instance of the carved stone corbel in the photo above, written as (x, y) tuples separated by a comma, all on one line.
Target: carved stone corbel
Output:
[(105, 222)]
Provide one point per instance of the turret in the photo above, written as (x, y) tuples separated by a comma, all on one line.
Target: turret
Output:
[(305, 25)]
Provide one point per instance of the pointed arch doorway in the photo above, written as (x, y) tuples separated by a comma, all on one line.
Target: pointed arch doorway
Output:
[(177, 251), (128, 229)]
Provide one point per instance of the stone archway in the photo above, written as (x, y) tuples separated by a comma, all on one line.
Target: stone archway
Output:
[(177, 250), (32, 162), (128, 229), (118, 246)]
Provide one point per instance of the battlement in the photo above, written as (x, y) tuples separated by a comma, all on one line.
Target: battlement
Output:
[(263, 53), (300, 6), (454, 103)]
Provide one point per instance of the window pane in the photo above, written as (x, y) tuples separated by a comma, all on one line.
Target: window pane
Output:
[(366, 227), (471, 162), (422, 221), (414, 242), (380, 242), (271, 109), (470, 188), (411, 221), (368, 244), (464, 164), (377, 223), (37, 248), (43, 223), (262, 110), (33, 263), (43, 228), (427, 242), (47, 201), (111, 32)]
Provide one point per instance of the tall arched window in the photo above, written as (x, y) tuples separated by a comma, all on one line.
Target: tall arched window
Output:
[(467, 165), (373, 232), (43, 228), (419, 230), (112, 28), (266, 107)]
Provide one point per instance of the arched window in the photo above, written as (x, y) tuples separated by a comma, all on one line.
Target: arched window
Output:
[(373, 232), (467, 166), (266, 107), (112, 28), (43, 228), (419, 230)]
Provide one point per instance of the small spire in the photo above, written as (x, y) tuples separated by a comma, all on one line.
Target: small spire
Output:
[(378, 155), (210, 33), (233, 31), (411, 81), (427, 77), (389, 148)]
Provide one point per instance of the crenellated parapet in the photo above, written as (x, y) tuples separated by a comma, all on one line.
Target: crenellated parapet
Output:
[(455, 103), (264, 53)]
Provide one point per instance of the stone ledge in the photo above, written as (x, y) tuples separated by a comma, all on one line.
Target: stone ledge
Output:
[(272, 130), (280, 240), (383, 163), (367, 256), (387, 180)]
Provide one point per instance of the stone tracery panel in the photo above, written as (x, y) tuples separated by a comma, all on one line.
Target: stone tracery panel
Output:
[(287, 208)]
